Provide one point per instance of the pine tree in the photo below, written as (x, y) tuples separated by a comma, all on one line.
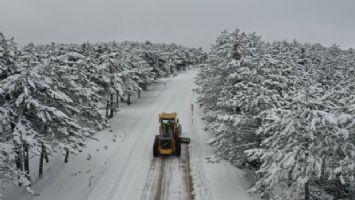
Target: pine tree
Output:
[(8, 57)]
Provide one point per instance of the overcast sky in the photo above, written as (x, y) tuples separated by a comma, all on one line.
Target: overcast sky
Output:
[(192, 23)]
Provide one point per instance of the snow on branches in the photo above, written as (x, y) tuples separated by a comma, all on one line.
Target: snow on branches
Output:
[(301, 146), (285, 109)]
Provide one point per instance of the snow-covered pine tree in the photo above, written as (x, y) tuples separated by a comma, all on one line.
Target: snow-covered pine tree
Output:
[(137, 74), (301, 148), (7, 154), (42, 113), (8, 57), (71, 71), (249, 82), (109, 78)]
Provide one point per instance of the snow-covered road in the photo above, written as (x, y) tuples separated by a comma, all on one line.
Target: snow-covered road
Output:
[(121, 164)]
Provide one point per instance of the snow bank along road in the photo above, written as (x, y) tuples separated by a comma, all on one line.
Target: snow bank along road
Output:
[(121, 164)]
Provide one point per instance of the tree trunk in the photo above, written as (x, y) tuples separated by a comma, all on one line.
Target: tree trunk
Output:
[(129, 99), (44, 147), (41, 159), (26, 161), (112, 107), (26, 158), (306, 191), (122, 100), (139, 94), (66, 155), (107, 108), (19, 159)]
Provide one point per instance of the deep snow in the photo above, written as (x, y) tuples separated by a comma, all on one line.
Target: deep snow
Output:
[(121, 165)]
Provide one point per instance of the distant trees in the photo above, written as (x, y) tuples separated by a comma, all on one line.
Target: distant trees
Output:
[(284, 109), (50, 94)]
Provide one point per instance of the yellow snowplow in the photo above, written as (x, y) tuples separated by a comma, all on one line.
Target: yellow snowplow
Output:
[(169, 140)]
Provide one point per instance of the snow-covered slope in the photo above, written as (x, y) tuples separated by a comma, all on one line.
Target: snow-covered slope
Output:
[(121, 165)]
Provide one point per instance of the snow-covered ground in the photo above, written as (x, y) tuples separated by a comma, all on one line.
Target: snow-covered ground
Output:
[(121, 165)]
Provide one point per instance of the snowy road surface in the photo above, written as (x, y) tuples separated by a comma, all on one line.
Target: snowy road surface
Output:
[(121, 165)]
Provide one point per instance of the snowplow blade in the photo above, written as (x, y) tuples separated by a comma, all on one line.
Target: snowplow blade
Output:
[(185, 140)]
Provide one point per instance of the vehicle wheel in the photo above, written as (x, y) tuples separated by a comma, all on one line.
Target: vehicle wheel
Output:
[(155, 149), (156, 146), (178, 147)]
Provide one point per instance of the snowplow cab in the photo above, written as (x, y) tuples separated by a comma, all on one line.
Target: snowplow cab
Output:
[(168, 141)]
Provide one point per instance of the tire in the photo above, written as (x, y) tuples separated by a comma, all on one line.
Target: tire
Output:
[(155, 147), (178, 147), (155, 150)]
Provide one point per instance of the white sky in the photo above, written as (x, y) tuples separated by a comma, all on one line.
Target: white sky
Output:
[(192, 23)]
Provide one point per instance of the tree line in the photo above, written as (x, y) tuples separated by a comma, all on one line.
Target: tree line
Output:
[(50, 94), (285, 110)]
